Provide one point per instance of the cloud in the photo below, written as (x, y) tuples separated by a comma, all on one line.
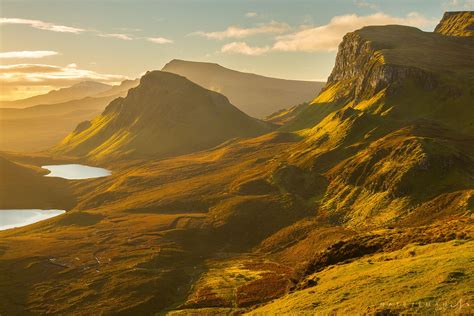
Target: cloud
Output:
[(24, 80), (239, 32), (128, 29), (327, 37), (29, 75), (159, 40), (124, 37), (27, 68), (27, 54), (251, 14), (41, 25), (244, 49), (366, 4)]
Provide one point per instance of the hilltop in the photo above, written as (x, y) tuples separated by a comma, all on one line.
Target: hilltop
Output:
[(255, 95), (164, 115)]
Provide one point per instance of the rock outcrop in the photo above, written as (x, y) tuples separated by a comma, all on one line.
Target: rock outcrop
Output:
[(456, 24), (364, 67), (386, 130)]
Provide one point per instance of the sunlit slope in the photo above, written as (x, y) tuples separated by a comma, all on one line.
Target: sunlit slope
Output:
[(255, 95), (402, 73), (394, 126), (165, 115), (411, 280), (457, 24), (392, 132)]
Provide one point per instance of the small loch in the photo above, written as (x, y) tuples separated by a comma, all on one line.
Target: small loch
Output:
[(76, 171), (12, 218)]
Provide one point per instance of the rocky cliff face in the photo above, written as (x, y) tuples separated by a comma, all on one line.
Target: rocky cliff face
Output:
[(365, 69), (456, 24), (387, 131)]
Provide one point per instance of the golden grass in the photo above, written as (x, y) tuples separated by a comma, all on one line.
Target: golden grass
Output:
[(426, 276)]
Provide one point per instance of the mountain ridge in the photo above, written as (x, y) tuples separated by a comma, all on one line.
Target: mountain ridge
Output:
[(78, 90), (255, 95), (160, 109)]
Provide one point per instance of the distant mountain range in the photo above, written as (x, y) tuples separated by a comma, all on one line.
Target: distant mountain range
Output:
[(41, 126), (25, 124), (256, 95), (78, 91)]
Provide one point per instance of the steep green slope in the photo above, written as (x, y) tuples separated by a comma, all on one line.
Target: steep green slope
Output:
[(410, 281), (255, 95), (402, 73), (456, 24), (394, 126), (165, 115)]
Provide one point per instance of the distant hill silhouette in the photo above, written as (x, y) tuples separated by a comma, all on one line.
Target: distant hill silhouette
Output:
[(258, 96), (78, 91), (41, 126)]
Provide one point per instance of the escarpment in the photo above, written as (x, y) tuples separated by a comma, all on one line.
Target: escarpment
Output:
[(366, 67), (459, 23), (386, 131)]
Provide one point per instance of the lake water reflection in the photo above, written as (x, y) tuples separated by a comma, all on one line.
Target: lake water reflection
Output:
[(12, 218), (76, 172)]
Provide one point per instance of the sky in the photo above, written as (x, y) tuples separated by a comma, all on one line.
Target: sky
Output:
[(49, 44)]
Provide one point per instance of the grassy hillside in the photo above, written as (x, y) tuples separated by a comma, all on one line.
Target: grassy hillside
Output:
[(255, 95), (165, 115), (457, 24), (394, 129), (419, 279)]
